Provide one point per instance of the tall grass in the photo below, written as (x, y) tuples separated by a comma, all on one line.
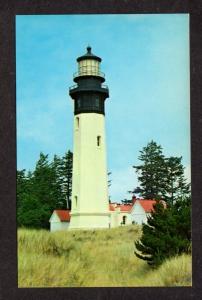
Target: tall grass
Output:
[(92, 258)]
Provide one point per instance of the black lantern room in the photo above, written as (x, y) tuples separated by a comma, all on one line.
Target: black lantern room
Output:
[(89, 93)]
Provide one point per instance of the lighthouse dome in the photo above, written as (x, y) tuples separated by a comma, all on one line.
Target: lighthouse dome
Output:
[(89, 64), (89, 55)]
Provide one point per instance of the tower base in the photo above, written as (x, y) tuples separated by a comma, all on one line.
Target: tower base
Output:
[(89, 220)]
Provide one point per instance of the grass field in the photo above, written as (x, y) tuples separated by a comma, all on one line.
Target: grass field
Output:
[(98, 258)]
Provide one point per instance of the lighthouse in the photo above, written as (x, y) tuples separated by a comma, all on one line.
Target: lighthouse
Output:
[(90, 203)]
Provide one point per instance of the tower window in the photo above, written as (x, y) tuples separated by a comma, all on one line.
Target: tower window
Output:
[(97, 102), (77, 122), (98, 140), (78, 103), (76, 199)]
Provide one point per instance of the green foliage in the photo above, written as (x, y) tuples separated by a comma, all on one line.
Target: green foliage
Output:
[(168, 232), (176, 186), (152, 171), (34, 214), (47, 188), (22, 186), (127, 201), (45, 185), (160, 177), (66, 177)]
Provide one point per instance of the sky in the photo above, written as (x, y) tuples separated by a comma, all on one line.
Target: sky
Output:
[(145, 59)]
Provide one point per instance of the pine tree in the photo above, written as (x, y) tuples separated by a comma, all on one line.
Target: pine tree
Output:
[(30, 211), (176, 185), (168, 232), (56, 166), (44, 182), (21, 186), (23, 191), (160, 178), (152, 172), (127, 201), (47, 188), (43, 196), (66, 177)]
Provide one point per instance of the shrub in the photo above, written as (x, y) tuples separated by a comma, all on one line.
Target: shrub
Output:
[(168, 233)]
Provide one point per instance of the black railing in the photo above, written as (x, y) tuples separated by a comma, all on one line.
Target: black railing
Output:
[(73, 87), (104, 86)]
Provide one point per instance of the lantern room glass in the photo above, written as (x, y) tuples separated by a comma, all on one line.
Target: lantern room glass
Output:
[(89, 67)]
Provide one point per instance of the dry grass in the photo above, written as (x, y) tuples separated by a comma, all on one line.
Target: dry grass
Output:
[(92, 258)]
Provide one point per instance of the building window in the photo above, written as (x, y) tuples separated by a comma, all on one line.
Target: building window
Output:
[(124, 220), (98, 140)]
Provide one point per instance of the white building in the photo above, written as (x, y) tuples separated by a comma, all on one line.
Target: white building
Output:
[(59, 220), (137, 212), (119, 214), (141, 210)]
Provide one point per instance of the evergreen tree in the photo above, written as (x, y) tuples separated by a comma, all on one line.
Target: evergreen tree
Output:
[(66, 177), (44, 188), (56, 166), (168, 232), (160, 178), (23, 191), (21, 186), (152, 172), (32, 213), (176, 185), (126, 201), (137, 191)]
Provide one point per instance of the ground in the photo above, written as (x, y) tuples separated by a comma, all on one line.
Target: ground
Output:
[(92, 258)]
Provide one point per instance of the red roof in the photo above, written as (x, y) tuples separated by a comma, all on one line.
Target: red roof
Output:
[(123, 207), (111, 207), (147, 205), (64, 215)]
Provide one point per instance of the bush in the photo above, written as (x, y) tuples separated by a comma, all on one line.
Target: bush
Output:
[(168, 233)]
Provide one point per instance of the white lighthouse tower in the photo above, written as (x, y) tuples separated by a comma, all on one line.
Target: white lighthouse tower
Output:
[(90, 204)]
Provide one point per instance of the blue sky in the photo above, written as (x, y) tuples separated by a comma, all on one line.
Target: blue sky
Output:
[(146, 63)]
